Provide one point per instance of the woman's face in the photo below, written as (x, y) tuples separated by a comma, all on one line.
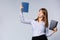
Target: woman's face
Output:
[(40, 14)]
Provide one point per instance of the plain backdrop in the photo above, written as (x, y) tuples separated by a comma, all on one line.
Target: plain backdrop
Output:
[(10, 26)]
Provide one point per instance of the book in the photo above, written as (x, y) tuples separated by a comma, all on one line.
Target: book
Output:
[(25, 6), (53, 24)]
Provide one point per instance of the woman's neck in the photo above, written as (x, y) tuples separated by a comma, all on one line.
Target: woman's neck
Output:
[(39, 19)]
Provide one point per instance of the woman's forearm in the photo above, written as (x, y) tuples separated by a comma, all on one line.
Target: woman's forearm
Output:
[(49, 32), (24, 20)]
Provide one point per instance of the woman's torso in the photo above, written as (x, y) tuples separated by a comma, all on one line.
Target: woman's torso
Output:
[(38, 28)]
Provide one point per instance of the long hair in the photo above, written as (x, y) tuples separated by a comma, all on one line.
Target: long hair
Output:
[(45, 18)]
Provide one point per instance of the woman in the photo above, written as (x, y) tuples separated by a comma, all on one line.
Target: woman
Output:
[(40, 28)]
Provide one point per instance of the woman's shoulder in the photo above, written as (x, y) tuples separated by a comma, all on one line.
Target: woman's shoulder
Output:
[(33, 21)]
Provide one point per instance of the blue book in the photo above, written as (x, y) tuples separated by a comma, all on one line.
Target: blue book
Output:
[(25, 6)]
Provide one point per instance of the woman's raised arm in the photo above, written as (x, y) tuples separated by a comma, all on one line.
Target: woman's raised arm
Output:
[(24, 20)]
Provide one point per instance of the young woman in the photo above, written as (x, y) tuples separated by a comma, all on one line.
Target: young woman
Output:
[(40, 28)]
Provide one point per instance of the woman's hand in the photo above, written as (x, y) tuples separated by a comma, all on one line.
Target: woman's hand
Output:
[(21, 9), (21, 6), (54, 30)]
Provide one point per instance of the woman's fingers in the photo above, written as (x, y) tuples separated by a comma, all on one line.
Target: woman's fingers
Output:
[(55, 29)]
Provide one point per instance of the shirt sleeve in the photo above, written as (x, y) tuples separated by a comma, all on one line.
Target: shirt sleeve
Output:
[(24, 20), (48, 32)]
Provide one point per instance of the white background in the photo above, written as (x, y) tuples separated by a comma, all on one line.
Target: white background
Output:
[(10, 26)]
